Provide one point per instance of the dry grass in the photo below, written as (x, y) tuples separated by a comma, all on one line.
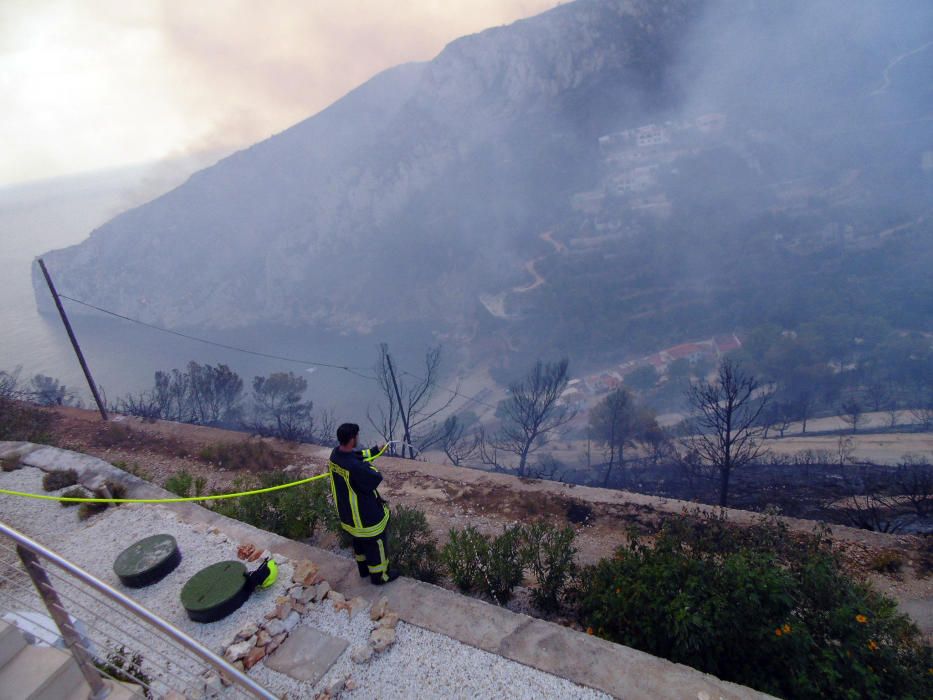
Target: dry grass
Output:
[(250, 455)]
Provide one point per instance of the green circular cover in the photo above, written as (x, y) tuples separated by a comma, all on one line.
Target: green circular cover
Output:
[(216, 591), (147, 561)]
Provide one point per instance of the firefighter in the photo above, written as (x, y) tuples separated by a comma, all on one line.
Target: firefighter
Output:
[(362, 512)]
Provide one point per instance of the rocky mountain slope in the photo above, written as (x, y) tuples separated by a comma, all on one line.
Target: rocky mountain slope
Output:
[(427, 189)]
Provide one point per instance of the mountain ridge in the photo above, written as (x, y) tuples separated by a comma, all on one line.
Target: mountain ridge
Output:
[(426, 189)]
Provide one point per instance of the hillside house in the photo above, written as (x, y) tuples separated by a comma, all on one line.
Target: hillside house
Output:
[(651, 135), (634, 180), (727, 343), (692, 352)]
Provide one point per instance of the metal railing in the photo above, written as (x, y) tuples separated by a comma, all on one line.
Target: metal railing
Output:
[(111, 637)]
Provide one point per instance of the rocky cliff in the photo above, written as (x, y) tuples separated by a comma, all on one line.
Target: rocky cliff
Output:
[(782, 141)]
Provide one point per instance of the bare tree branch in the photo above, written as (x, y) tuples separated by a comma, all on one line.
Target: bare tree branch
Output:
[(726, 422)]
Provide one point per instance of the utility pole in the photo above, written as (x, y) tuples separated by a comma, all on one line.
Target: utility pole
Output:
[(401, 408), (74, 341)]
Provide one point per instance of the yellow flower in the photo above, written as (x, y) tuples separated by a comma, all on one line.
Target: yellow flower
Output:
[(861, 619), (786, 629), (873, 645), (777, 632)]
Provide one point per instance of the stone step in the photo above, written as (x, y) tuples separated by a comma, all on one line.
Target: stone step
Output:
[(12, 642), (39, 673), (118, 691)]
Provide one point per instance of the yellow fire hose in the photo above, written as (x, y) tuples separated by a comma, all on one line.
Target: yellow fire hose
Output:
[(179, 499), (214, 497)]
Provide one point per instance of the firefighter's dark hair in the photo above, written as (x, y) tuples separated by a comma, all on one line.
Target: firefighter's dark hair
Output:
[(347, 432)]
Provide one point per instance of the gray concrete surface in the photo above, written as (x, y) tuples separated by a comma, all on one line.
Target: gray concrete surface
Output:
[(612, 668), (306, 654)]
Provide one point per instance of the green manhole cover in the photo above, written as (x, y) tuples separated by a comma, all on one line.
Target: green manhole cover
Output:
[(216, 591), (147, 561)]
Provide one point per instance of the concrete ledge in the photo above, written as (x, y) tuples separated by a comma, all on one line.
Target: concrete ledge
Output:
[(618, 670)]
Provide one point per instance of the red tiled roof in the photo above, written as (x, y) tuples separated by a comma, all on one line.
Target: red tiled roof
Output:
[(687, 349), (725, 343)]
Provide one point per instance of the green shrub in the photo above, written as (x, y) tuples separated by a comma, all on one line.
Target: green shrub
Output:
[(21, 422), (549, 552), (757, 608), (126, 667), (463, 555), (504, 567), (295, 512), (412, 548), (59, 479), (76, 492), (478, 563), (183, 484), (251, 455)]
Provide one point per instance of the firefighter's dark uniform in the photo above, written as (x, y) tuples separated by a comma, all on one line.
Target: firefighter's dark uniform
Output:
[(362, 512)]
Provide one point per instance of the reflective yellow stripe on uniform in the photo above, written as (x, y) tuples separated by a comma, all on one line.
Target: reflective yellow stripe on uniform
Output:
[(357, 529), (383, 564), (370, 531), (351, 494), (368, 455)]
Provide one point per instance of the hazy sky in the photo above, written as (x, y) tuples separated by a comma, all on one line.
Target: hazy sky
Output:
[(92, 84)]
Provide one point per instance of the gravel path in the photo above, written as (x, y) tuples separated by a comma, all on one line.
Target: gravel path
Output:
[(421, 664)]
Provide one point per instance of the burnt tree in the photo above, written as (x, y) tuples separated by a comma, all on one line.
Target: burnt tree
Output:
[(726, 422)]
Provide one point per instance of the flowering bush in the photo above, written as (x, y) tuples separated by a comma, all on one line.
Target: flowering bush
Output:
[(758, 608)]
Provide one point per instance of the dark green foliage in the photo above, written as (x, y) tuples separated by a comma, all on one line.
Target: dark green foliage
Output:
[(59, 479), (20, 422), (412, 547), (125, 667), (757, 608), (462, 555), (202, 394), (549, 552), (504, 567), (490, 566), (252, 455), (49, 391), (183, 484), (278, 408), (76, 492), (295, 512)]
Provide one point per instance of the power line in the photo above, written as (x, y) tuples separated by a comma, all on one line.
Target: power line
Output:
[(356, 371), (219, 345), (469, 398)]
